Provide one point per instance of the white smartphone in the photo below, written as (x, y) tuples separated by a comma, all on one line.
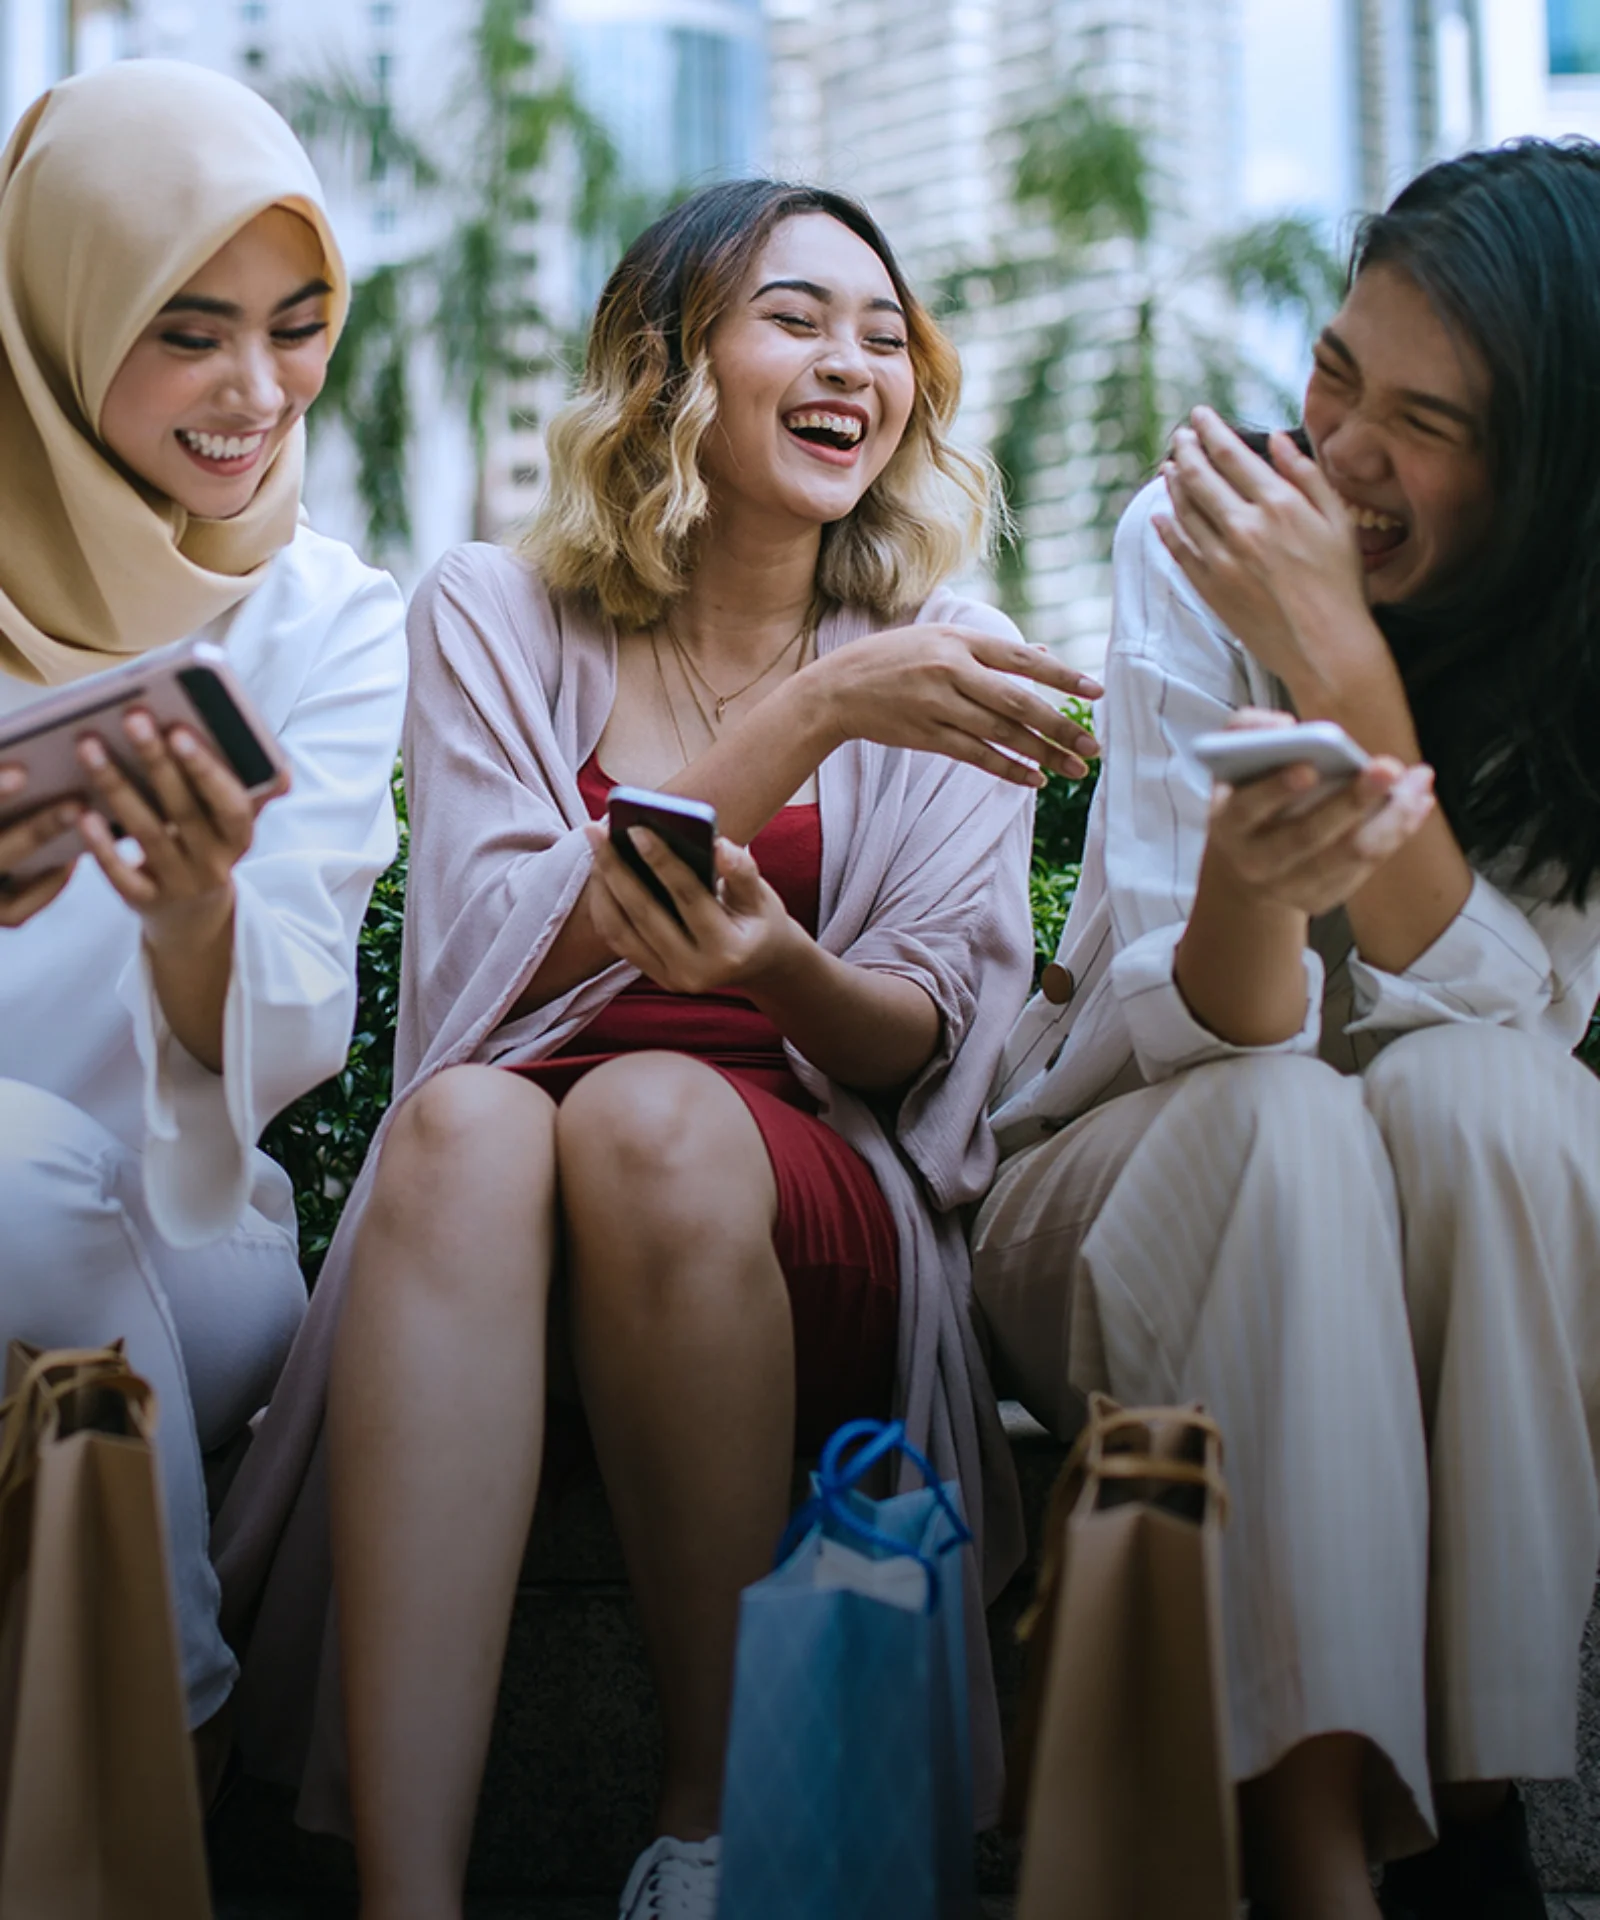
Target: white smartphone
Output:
[(1243, 754), (190, 684)]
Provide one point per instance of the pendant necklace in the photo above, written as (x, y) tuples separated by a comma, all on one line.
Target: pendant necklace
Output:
[(722, 701)]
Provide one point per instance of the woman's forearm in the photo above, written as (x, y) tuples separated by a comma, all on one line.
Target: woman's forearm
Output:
[(191, 966), (867, 1030), (747, 775), (1240, 965), (1410, 901)]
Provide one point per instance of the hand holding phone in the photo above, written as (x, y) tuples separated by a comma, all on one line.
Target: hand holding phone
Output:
[(1240, 755), (687, 827), (190, 685)]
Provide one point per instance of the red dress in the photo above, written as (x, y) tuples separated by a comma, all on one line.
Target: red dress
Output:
[(834, 1235)]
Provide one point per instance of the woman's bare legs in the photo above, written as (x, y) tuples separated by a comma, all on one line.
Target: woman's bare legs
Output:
[(1305, 1851), (685, 1352), (436, 1425)]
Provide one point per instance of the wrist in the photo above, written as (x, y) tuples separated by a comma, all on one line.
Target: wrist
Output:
[(1224, 895), (1344, 664), (813, 706), (781, 969), (187, 926)]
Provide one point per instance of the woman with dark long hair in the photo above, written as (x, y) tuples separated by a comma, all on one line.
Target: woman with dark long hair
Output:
[(732, 1138), (1293, 1128)]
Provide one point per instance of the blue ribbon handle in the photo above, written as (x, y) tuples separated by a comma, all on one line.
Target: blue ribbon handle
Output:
[(836, 1478)]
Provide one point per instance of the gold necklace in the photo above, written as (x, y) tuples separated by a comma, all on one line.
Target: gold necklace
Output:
[(672, 711), (722, 701)]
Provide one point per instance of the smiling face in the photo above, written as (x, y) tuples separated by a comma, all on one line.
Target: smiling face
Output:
[(1397, 411), (813, 374), (210, 390)]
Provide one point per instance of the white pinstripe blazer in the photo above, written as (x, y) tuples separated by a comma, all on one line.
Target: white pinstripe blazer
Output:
[(1174, 671)]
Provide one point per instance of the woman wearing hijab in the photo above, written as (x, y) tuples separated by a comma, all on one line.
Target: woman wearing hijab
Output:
[(169, 294)]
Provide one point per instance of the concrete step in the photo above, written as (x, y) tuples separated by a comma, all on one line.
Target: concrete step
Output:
[(568, 1791)]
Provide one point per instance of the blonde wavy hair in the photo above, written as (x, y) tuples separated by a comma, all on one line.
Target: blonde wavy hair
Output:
[(626, 501)]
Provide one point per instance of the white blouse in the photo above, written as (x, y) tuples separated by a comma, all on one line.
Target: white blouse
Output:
[(320, 644), (1173, 671)]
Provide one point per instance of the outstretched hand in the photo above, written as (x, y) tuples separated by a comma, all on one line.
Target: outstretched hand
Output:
[(953, 690)]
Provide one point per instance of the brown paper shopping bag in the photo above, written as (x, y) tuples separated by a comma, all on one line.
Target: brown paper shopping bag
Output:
[(1121, 1752), (99, 1811)]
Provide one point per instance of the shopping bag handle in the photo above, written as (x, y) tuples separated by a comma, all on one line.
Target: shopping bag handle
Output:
[(50, 1378), (837, 1476), (1092, 1463)]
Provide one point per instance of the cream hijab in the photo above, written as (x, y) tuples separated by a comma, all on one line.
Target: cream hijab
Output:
[(115, 190)]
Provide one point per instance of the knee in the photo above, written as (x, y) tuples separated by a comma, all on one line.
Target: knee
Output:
[(661, 1147), (1289, 1109), (458, 1123), (55, 1163), (1488, 1090)]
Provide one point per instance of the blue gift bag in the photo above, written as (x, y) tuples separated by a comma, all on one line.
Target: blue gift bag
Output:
[(848, 1793)]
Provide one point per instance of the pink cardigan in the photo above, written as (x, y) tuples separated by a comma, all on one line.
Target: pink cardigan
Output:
[(924, 874)]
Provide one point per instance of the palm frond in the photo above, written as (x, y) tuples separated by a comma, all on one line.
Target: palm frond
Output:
[(368, 390), (340, 112), (1285, 265), (1086, 171)]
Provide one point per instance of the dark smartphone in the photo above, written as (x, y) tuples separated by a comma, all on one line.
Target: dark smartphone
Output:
[(688, 827)]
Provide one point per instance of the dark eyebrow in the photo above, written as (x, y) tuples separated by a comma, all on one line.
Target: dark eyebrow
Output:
[(228, 310), (822, 296), (1413, 396), (309, 291)]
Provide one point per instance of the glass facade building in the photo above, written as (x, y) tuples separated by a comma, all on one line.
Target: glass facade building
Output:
[(1574, 36), (679, 84)]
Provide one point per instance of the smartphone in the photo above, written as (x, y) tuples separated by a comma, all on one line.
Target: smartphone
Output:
[(1243, 754), (189, 684), (689, 828)]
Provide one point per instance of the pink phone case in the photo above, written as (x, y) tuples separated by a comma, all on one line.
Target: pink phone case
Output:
[(189, 684)]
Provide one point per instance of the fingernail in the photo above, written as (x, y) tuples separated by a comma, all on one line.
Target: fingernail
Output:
[(138, 728), (11, 779), (183, 744), (91, 753)]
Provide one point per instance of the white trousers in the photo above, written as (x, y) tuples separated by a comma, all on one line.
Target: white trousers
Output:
[(209, 1327), (1387, 1289)]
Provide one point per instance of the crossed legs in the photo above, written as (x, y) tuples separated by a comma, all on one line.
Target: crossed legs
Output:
[(657, 1178)]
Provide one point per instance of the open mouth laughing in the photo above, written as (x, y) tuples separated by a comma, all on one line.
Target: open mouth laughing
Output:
[(1379, 535), (833, 433), (223, 453)]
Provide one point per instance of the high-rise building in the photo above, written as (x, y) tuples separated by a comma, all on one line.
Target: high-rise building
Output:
[(33, 54), (681, 88), (916, 107)]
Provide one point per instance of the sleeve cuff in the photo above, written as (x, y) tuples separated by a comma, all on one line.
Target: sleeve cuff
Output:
[(1166, 1036), (198, 1149), (1488, 964)]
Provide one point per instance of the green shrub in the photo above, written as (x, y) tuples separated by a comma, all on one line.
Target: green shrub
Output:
[(321, 1141), (1060, 821)]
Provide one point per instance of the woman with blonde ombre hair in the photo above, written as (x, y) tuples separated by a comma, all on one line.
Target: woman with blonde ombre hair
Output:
[(730, 1138)]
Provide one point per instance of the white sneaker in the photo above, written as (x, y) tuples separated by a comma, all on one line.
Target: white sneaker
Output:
[(673, 1880)]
